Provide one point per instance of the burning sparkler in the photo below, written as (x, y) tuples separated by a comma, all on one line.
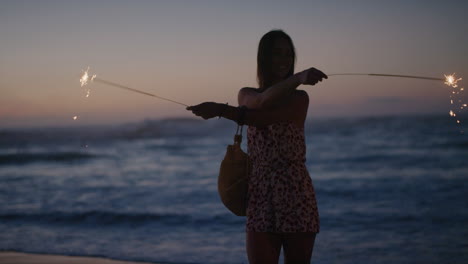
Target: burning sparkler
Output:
[(450, 80), (85, 79)]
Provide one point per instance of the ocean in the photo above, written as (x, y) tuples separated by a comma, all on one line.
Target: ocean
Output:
[(389, 189)]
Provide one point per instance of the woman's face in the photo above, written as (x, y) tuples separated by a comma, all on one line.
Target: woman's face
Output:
[(282, 58)]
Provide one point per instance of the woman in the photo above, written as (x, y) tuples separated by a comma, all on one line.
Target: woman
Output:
[(282, 210)]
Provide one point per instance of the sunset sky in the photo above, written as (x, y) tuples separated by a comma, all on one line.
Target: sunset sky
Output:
[(195, 51)]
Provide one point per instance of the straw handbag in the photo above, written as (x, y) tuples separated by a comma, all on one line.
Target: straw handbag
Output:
[(232, 179)]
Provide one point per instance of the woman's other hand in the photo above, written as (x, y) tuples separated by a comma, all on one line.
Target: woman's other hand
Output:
[(311, 76), (207, 110)]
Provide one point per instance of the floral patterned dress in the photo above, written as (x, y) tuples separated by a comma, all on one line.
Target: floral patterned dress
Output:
[(281, 195)]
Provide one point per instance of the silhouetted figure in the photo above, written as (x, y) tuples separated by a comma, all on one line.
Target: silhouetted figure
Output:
[(282, 209)]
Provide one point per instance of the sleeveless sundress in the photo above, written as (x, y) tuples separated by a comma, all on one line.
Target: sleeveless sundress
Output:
[(281, 196)]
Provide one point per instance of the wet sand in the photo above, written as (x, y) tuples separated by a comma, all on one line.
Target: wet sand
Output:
[(8, 257)]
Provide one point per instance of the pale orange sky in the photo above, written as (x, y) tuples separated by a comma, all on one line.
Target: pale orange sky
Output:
[(195, 51)]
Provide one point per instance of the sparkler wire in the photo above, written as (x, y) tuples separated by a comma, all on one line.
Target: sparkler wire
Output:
[(390, 75), (96, 79)]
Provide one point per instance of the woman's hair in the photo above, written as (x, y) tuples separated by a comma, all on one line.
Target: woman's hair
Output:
[(265, 52)]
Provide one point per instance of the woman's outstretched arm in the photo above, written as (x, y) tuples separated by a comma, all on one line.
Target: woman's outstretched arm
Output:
[(270, 97), (294, 110)]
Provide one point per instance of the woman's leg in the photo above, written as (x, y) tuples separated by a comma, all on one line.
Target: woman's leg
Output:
[(263, 247), (298, 247)]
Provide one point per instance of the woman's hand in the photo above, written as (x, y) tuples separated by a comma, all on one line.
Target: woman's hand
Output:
[(311, 76), (207, 110)]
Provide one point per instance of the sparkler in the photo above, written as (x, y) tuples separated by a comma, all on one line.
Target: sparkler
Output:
[(450, 80), (85, 79)]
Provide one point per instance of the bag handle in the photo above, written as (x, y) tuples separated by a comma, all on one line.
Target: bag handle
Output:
[(240, 124), (238, 136)]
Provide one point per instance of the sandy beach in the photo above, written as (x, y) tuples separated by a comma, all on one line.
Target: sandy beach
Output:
[(8, 257)]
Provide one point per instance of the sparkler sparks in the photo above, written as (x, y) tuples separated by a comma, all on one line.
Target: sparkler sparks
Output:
[(85, 79), (452, 81)]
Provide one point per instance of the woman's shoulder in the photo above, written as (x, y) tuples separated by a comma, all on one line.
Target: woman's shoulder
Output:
[(249, 97), (301, 93), (300, 96), (249, 90)]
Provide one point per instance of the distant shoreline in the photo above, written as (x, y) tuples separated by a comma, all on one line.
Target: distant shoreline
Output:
[(181, 119)]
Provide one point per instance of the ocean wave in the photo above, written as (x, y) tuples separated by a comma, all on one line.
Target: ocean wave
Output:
[(397, 160), (461, 145), (148, 129), (24, 158)]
